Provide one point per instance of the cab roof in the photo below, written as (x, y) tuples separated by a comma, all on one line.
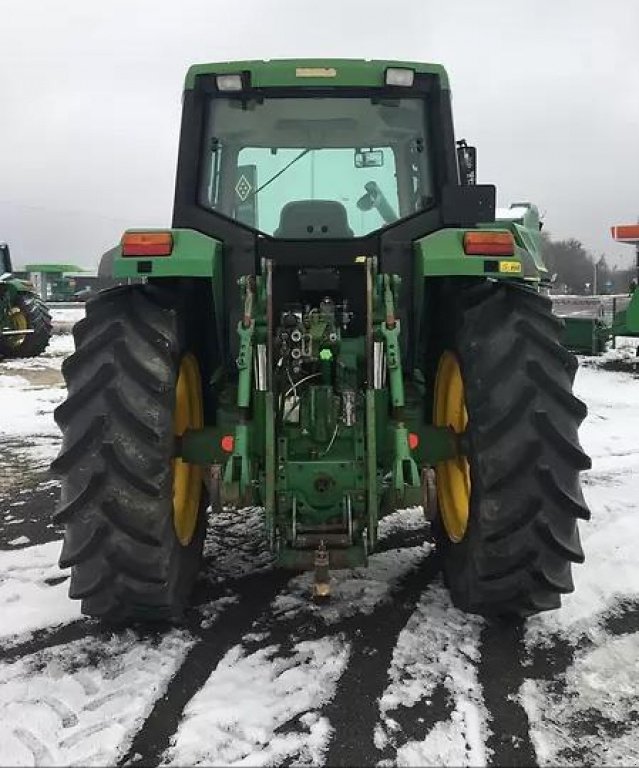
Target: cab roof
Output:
[(313, 72)]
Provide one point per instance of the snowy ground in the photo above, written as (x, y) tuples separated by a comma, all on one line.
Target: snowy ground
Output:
[(389, 673)]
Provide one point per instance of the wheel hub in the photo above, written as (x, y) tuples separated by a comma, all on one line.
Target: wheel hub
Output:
[(453, 475), (187, 478), (17, 322)]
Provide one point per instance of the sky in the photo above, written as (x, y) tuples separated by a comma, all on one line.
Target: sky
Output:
[(90, 99)]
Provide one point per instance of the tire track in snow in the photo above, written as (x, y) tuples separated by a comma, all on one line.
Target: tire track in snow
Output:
[(263, 707), (623, 619), (278, 663), (432, 711), (501, 676), (354, 723), (42, 639), (254, 594), (354, 711), (275, 609), (81, 702)]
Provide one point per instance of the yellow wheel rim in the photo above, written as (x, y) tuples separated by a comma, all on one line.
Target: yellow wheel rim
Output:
[(18, 322), (453, 476), (187, 478)]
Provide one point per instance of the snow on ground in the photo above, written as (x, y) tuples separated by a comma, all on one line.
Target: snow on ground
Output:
[(610, 435), (593, 719), (410, 519), (30, 390), (28, 410), (600, 685), (58, 348), (437, 652), (623, 357), (81, 703), (236, 544), (65, 316), (34, 591), (355, 591), (262, 708), (360, 590)]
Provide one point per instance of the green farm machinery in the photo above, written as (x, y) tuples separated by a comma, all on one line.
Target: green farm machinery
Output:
[(334, 328), (587, 322), (25, 322), (590, 322), (626, 317)]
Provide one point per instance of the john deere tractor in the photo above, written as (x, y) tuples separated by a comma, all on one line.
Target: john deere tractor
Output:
[(25, 322), (334, 327)]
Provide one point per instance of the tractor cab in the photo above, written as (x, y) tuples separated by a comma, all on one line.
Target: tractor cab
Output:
[(297, 151), (315, 168), (303, 168)]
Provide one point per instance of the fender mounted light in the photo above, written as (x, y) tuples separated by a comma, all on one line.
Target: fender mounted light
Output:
[(229, 82), (404, 78), (483, 243), (147, 243)]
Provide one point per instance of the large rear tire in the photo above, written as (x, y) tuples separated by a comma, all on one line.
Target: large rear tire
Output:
[(134, 516), (508, 514), (28, 312)]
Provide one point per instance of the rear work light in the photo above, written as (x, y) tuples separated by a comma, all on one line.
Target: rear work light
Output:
[(229, 82), (400, 77), (147, 244), (489, 244)]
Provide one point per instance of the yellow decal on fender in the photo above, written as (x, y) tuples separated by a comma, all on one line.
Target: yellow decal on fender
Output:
[(316, 72), (510, 266)]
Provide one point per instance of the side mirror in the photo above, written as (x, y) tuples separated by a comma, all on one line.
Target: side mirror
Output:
[(469, 205), (467, 162), (369, 158)]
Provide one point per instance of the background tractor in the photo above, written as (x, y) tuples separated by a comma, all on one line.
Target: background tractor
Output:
[(25, 322), (335, 327)]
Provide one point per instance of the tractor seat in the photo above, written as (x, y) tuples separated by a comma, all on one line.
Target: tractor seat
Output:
[(303, 219)]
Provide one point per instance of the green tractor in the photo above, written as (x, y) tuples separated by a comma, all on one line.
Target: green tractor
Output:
[(334, 328), (25, 322)]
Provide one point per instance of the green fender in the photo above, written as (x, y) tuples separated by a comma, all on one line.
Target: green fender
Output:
[(441, 254), (14, 285), (193, 255)]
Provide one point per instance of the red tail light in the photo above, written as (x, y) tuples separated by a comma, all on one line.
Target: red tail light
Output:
[(480, 243), (147, 244)]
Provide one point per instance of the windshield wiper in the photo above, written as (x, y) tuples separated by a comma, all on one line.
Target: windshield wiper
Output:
[(279, 173)]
